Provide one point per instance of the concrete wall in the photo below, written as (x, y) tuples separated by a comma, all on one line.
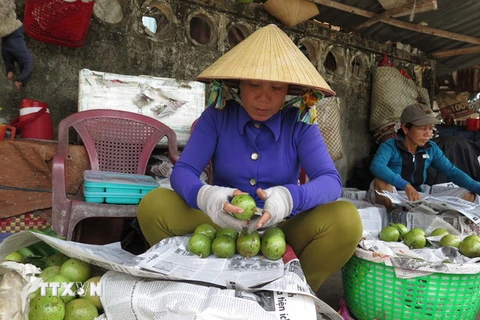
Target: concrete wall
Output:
[(125, 48)]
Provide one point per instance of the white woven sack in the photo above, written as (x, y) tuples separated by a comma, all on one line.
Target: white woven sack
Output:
[(391, 93), (328, 119)]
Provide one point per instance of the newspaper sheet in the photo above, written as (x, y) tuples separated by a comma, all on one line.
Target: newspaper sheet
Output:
[(374, 217), (180, 300), (353, 193), (167, 282), (434, 205), (420, 262), (458, 221)]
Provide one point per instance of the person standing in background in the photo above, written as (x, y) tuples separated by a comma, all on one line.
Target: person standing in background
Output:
[(14, 48)]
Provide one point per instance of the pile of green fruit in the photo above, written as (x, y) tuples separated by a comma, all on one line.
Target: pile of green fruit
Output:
[(416, 239), (64, 271), (37, 253), (61, 272), (225, 242)]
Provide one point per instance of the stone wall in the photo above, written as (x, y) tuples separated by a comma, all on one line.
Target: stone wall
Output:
[(193, 34)]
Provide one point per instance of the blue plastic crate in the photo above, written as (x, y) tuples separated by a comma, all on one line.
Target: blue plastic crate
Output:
[(116, 188)]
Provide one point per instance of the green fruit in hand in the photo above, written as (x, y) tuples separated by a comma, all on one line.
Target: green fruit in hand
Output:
[(15, 256), (200, 244), (439, 232), (402, 229), (248, 205), (223, 246), (56, 259), (248, 244), (273, 246), (76, 270), (415, 239), (273, 231), (49, 272), (80, 309), (206, 229), (470, 246), (450, 240), (58, 278), (95, 299), (46, 308), (389, 234), (228, 232)]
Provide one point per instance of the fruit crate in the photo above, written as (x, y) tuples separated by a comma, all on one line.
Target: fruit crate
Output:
[(373, 291), (116, 188)]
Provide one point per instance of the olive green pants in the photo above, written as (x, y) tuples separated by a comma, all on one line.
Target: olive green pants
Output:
[(323, 238)]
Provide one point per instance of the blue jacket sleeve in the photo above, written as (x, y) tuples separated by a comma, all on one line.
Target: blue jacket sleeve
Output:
[(194, 158), (325, 184), (379, 166), (441, 163)]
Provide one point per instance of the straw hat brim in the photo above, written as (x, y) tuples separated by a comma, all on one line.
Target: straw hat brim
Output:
[(267, 54)]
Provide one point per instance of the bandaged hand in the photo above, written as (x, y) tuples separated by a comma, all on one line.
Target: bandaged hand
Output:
[(212, 199), (278, 205)]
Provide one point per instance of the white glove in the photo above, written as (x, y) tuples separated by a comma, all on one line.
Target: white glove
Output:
[(279, 204), (211, 199)]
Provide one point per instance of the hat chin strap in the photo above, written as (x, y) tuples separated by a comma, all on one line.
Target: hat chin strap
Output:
[(220, 93), (306, 102)]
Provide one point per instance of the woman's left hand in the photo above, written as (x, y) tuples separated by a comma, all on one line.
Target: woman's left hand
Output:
[(278, 205)]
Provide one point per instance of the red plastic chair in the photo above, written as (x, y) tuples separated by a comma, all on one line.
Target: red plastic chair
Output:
[(117, 141)]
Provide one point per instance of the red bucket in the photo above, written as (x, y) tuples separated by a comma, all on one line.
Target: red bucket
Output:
[(35, 121)]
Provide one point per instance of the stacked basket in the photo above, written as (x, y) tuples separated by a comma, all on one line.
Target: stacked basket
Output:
[(61, 22), (373, 291)]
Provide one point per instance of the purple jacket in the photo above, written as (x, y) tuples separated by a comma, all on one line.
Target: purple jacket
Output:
[(248, 155)]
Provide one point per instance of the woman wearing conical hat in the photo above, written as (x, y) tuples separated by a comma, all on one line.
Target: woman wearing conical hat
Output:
[(257, 143)]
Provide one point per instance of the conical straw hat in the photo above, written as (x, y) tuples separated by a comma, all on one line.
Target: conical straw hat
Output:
[(267, 54), (291, 12)]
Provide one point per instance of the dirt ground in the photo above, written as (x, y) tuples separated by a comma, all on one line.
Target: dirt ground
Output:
[(332, 290)]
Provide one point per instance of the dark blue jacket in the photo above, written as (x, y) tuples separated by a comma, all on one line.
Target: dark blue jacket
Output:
[(394, 164), (14, 49)]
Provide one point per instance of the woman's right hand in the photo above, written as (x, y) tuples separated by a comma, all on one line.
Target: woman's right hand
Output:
[(412, 193)]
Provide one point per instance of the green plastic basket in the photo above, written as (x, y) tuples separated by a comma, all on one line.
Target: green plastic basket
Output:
[(373, 291)]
